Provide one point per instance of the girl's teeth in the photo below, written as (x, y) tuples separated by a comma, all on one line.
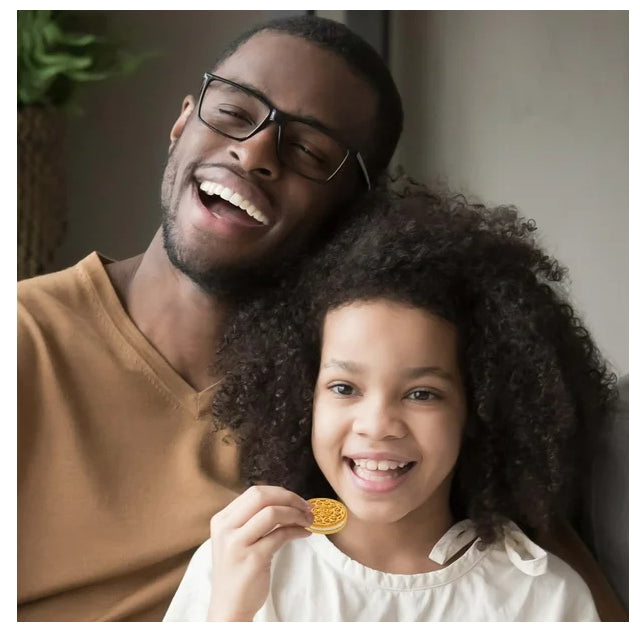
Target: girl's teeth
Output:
[(379, 465)]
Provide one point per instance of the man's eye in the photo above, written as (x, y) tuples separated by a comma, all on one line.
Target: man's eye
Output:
[(239, 115), (307, 153), (343, 389), (422, 395)]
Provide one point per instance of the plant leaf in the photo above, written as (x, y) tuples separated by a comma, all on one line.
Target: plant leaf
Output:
[(54, 56)]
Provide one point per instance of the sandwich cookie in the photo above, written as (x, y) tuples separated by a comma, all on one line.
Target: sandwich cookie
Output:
[(329, 516)]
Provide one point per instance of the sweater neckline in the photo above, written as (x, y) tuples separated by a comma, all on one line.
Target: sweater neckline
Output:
[(95, 277)]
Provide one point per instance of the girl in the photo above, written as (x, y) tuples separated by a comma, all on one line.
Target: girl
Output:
[(454, 394)]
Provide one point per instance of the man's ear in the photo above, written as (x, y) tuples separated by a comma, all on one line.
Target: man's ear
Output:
[(188, 105)]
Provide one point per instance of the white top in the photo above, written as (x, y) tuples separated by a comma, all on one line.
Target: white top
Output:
[(312, 580)]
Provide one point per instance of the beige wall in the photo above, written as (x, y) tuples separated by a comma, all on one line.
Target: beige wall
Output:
[(530, 108)]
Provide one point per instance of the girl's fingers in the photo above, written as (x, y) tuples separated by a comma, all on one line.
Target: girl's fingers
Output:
[(270, 518), (271, 543), (251, 502)]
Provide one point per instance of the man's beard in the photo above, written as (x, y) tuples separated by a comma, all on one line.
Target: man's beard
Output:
[(232, 282)]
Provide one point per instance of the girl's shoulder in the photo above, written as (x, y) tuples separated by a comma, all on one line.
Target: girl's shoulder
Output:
[(515, 558), (513, 548)]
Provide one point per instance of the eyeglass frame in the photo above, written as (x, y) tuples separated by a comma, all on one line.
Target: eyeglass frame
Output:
[(280, 118)]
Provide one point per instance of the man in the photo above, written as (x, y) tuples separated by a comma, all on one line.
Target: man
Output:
[(118, 474)]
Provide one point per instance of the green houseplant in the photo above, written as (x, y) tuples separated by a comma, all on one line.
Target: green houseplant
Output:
[(58, 51)]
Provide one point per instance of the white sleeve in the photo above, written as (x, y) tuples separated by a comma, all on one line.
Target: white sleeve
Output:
[(191, 602), (577, 603)]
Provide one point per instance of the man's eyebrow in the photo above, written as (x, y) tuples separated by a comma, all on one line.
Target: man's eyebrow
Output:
[(423, 371), (309, 120), (344, 364)]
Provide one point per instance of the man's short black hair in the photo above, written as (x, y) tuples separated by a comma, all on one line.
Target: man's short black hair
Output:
[(363, 61)]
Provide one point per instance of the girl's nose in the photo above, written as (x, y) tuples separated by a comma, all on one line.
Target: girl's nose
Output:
[(379, 420)]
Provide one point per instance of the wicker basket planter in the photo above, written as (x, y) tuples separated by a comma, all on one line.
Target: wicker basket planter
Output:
[(42, 205)]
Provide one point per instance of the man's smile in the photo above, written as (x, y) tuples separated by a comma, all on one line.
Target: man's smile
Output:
[(213, 189), (229, 204)]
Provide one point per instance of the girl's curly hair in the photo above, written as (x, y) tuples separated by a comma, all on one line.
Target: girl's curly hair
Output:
[(538, 391)]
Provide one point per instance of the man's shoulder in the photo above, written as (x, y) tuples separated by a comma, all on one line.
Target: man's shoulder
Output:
[(51, 301), (37, 286), (64, 286)]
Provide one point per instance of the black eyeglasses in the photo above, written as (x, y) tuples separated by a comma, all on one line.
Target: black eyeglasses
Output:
[(239, 113)]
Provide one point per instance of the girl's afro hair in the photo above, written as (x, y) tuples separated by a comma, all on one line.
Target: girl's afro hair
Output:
[(538, 391)]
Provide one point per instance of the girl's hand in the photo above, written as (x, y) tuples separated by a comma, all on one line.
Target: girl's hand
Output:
[(244, 537)]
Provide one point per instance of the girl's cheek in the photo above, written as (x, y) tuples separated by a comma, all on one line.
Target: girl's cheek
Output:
[(325, 433)]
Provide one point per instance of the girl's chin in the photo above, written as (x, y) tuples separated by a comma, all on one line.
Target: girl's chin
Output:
[(373, 513)]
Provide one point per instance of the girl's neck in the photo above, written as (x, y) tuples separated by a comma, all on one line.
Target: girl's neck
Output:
[(401, 547)]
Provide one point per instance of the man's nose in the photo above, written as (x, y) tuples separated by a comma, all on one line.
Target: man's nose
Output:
[(379, 420), (258, 154)]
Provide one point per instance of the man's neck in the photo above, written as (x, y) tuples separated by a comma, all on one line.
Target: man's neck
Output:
[(180, 320)]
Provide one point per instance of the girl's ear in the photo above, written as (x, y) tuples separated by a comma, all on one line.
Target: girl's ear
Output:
[(188, 106)]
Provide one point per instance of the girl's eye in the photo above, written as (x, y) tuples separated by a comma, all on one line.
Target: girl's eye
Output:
[(422, 395), (343, 389)]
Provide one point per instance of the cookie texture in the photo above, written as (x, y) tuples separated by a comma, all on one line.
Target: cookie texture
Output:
[(330, 516)]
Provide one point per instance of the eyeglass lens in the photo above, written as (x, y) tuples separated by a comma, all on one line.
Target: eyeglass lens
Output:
[(237, 113)]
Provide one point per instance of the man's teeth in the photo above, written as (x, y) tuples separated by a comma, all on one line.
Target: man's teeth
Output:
[(211, 188), (379, 465)]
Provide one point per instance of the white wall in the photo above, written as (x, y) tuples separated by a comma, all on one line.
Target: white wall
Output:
[(530, 108)]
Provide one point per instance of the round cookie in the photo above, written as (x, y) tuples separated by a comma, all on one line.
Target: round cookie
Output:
[(329, 516)]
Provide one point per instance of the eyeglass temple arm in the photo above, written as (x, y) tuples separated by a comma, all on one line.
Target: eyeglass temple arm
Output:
[(363, 168)]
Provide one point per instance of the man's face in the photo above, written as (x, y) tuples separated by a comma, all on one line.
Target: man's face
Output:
[(204, 233)]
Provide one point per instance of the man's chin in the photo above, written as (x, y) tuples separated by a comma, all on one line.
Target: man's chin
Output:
[(232, 281)]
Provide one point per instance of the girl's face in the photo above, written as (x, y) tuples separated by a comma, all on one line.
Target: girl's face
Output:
[(389, 410)]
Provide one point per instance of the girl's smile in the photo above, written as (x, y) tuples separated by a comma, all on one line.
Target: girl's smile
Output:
[(378, 473)]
